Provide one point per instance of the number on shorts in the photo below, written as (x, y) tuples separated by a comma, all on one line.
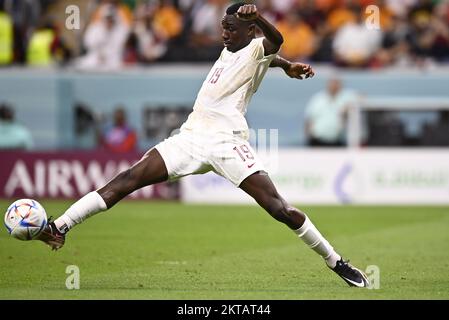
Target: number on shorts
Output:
[(244, 152)]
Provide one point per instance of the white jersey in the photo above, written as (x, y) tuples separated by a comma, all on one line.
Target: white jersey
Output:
[(225, 94)]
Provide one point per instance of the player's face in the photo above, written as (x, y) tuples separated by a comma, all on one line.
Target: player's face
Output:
[(236, 34)]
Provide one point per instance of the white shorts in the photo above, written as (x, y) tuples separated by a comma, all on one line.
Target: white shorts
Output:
[(193, 152)]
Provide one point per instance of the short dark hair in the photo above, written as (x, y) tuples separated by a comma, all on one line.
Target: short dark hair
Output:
[(6, 112), (234, 8)]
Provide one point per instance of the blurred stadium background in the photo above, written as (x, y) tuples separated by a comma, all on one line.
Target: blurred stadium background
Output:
[(81, 102)]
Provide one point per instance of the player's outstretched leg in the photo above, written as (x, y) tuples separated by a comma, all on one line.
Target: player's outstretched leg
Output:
[(149, 170), (261, 188)]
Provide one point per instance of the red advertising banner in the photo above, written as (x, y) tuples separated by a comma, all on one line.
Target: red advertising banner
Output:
[(69, 175)]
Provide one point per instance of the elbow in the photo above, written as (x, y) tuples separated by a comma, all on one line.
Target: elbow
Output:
[(281, 40)]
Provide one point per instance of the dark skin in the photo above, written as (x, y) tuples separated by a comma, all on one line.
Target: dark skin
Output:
[(149, 170), (238, 32), (119, 117)]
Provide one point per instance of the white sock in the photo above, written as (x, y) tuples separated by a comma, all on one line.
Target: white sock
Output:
[(84, 208), (313, 238)]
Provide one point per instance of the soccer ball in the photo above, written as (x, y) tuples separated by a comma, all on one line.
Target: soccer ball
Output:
[(25, 219)]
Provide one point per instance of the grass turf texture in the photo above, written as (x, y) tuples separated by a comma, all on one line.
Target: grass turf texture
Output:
[(141, 250)]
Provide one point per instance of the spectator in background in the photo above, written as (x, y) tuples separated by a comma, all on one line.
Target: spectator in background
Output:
[(422, 6), (343, 13), (326, 115), (283, 6), (25, 15), (46, 46), (151, 42), (206, 29), (119, 138), (355, 45), (167, 19), (124, 16), (440, 26), (299, 38), (156, 24), (269, 12), (13, 136), (188, 31), (6, 39), (429, 36), (86, 125), (310, 13), (41, 47), (400, 8), (105, 41), (395, 49)]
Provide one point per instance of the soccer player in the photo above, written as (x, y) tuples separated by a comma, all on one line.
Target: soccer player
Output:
[(215, 138)]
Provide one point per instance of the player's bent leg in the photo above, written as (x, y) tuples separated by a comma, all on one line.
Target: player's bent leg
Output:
[(261, 188), (149, 170)]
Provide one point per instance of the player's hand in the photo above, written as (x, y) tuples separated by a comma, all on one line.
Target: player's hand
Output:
[(300, 71), (248, 12)]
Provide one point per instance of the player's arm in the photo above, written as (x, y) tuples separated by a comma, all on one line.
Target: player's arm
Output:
[(273, 38), (293, 69)]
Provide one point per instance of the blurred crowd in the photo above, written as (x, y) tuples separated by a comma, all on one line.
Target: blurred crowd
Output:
[(113, 34)]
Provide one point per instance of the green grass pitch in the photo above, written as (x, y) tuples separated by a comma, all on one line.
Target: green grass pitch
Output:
[(147, 250)]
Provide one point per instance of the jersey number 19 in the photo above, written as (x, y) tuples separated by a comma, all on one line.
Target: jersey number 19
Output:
[(216, 75)]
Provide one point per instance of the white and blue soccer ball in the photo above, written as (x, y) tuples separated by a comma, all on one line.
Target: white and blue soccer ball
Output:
[(25, 219)]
